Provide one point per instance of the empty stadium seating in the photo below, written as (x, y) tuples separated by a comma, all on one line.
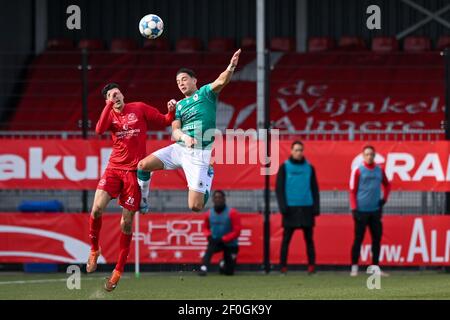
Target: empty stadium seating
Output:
[(51, 98), (159, 44), (443, 42), (91, 44), (188, 45), (53, 91), (248, 44), (378, 44), (60, 44), (123, 45), (318, 44), (282, 44), (351, 43), (416, 44), (221, 45), (384, 44)]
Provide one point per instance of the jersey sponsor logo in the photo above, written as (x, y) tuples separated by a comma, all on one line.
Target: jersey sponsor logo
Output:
[(127, 133), (189, 126), (179, 237)]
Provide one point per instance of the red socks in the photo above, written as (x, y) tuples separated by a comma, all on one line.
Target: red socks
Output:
[(94, 231), (125, 242)]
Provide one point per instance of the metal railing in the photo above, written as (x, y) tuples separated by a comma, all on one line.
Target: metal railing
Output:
[(316, 135), (336, 202)]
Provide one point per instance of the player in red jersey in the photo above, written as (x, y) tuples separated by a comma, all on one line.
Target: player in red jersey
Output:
[(128, 123)]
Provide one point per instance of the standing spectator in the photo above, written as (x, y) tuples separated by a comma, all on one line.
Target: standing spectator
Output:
[(222, 228), (299, 202), (367, 205)]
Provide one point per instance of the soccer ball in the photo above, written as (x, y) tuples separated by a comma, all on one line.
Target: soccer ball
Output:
[(151, 26)]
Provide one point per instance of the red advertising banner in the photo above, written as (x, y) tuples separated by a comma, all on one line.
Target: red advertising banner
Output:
[(78, 164), (341, 91), (178, 238), (163, 238)]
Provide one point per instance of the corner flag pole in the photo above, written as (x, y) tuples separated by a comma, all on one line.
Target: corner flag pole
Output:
[(136, 245), (84, 112)]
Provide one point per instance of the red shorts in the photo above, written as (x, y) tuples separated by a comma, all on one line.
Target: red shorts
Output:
[(122, 184)]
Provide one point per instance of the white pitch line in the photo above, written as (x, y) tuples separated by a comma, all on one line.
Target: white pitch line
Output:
[(47, 280)]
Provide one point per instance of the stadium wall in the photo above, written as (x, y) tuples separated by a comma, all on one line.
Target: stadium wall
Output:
[(105, 19), (16, 42), (336, 18)]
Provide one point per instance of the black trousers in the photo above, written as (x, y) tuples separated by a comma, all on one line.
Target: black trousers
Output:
[(362, 221), (307, 235), (229, 256)]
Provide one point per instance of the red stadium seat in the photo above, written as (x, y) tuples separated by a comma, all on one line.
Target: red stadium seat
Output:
[(282, 44), (317, 44), (188, 45), (384, 44), (60, 44), (443, 42), (123, 45), (91, 44), (349, 43), (221, 45), (159, 44), (416, 44), (248, 44)]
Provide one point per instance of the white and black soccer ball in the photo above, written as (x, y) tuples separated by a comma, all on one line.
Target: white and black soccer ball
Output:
[(151, 26)]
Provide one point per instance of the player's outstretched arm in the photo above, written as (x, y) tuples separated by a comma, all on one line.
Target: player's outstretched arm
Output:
[(104, 122), (157, 119), (225, 76)]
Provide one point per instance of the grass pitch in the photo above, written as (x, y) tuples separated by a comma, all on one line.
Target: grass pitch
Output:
[(242, 286)]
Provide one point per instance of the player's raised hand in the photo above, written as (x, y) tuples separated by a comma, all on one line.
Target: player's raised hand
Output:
[(171, 105), (109, 103), (110, 100), (235, 59)]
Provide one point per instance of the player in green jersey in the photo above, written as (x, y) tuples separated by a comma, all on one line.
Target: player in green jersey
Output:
[(195, 118)]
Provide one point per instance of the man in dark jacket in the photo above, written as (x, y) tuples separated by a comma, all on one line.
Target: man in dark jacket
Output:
[(299, 202)]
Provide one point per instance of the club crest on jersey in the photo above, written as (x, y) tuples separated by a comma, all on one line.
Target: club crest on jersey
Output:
[(132, 118), (179, 107), (195, 97)]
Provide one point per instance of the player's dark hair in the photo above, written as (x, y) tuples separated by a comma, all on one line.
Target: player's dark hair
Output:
[(220, 192), (188, 71), (368, 147), (108, 87), (295, 143)]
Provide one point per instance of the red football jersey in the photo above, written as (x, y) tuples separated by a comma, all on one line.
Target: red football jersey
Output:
[(129, 131)]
